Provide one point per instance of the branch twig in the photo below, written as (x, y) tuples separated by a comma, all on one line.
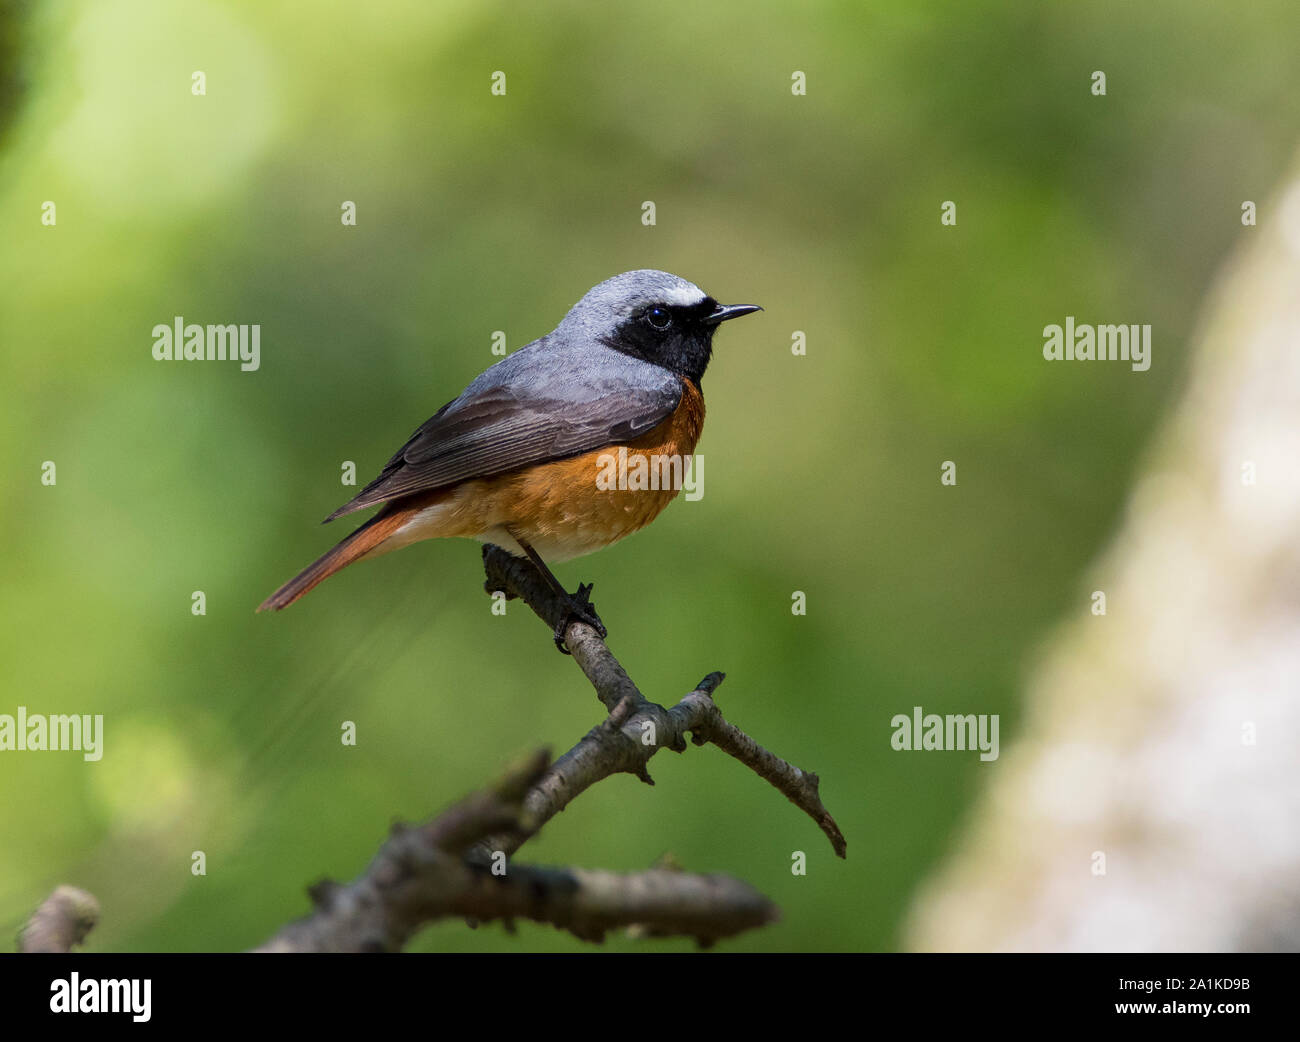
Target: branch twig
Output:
[(456, 864), (61, 922), (420, 875), (618, 745)]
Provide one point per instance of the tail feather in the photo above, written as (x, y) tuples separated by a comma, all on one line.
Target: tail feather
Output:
[(357, 545)]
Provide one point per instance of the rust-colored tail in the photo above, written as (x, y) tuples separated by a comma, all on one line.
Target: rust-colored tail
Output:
[(355, 546)]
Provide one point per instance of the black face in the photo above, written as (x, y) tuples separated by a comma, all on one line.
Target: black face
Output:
[(670, 335)]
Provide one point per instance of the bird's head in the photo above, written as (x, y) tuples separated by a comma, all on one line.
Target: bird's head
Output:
[(654, 316)]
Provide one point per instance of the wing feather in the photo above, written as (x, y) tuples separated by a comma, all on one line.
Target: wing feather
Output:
[(541, 403)]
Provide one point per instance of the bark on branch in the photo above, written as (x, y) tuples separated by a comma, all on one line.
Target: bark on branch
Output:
[(617, 745), (421, 874), (61, 922), (456, 864)]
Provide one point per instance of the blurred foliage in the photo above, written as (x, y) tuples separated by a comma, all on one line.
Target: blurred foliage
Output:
[(13, 16), (478, 213)]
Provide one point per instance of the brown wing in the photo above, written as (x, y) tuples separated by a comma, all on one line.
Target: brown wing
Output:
[(540, 404)]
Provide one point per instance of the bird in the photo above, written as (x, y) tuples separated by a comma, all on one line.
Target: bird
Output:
[(514, 459)]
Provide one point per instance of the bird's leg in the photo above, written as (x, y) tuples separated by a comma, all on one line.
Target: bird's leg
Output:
[(579, 604)]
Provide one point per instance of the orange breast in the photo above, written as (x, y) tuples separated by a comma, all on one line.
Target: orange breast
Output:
[(572, 506), (578, 505)]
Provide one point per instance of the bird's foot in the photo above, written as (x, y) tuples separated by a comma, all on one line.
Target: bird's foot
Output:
[(581, 609)]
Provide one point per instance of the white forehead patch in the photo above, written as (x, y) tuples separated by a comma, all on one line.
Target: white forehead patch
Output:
[(684, 295), (616, 299)]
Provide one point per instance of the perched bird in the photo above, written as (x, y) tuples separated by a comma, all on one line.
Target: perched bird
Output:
[(515, 459)]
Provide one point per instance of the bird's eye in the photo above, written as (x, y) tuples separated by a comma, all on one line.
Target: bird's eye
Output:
[(660, 318)]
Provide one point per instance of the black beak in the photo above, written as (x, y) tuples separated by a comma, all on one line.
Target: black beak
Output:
[(725, 311)]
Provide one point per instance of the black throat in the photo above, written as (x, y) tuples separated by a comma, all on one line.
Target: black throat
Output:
[(684, 348)]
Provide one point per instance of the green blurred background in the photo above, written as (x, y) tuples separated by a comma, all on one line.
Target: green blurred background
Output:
[(479, 213)]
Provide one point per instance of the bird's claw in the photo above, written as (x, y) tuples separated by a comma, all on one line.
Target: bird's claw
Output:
[(581, 609)]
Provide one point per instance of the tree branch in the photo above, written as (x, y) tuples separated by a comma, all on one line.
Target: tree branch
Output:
[(420, 875), (62, 921), (619, 744), (456, 864)]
